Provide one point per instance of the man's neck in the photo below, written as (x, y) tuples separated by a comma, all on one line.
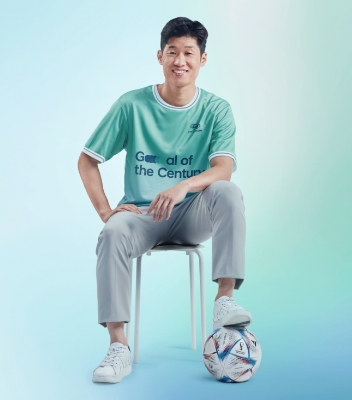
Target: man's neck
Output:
[(177, 96)]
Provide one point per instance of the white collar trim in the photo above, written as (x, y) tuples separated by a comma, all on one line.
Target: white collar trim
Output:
[(169, 106)]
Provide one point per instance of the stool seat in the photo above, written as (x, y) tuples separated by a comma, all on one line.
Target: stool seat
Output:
[(179, 247), (190, 250)]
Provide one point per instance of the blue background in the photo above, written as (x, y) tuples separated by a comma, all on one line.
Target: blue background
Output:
[(285, 68)]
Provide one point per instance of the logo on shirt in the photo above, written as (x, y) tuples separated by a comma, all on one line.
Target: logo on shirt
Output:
[(195, 128)]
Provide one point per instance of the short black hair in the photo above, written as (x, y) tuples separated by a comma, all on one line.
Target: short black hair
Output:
[(182, 26)]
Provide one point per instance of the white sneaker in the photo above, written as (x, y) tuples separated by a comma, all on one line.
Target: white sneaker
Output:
[(116, 365), (227, 312)]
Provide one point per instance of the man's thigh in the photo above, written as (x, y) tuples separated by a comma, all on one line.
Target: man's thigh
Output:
[(191, 222), (139, 230)]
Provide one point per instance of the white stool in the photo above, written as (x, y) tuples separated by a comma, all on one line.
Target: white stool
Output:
[(190, 250)]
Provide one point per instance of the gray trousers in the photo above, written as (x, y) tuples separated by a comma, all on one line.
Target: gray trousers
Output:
[(218, 212)]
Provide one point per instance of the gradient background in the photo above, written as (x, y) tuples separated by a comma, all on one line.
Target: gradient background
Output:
[(285, 67)]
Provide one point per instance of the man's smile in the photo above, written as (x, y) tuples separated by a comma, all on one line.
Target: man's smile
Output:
[(179, 72)]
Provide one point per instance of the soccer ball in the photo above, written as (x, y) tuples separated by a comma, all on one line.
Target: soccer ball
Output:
[(232, 355)]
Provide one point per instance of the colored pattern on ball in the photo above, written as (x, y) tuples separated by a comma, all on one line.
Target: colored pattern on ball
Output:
[(232, 355)]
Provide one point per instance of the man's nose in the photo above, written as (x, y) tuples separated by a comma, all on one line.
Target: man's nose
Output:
[(180, 60)]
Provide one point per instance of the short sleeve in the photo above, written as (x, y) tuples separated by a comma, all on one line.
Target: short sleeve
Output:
[(222, 141), (110, 137)]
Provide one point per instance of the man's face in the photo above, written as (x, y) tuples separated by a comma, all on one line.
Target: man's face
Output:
[(181, 60)]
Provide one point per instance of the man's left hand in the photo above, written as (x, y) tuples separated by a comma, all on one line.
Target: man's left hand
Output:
[(166, 200)]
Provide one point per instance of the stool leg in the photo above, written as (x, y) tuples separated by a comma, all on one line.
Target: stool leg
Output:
[(202, 294), (128, 325), (137, 312), (193, 311)]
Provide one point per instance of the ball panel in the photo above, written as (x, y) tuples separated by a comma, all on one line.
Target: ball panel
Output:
[(224, 340), (213, 365), (226, 379), (209, 346), (211, 359), (237, 367), (240, 348), (255, 351), (245, 376)]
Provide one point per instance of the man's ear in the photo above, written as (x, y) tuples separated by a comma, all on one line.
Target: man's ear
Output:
[(203, 59), (159, 55)]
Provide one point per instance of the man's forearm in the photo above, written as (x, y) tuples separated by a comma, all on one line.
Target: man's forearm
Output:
[(199, 182), (93, 184)]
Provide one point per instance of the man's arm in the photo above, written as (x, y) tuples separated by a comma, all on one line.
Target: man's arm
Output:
[(221, 169), (90, 174)]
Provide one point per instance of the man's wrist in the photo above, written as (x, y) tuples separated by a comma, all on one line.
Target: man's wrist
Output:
[(186, 184), (104, 213)]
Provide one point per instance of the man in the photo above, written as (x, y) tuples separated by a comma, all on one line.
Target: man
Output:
[(180, 149)]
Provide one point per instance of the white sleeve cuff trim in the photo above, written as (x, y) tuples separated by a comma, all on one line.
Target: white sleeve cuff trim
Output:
[(225, 153), (93, 154)]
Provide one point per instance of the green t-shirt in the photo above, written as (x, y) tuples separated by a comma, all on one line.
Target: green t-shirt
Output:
[(164, 144)]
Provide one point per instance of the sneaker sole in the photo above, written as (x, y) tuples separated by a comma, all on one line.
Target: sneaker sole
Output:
[(237, 318), (112, 378)]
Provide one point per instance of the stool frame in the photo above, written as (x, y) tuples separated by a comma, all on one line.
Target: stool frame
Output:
[(190, 251)]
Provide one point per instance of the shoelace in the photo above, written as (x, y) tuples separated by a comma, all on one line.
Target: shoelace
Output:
[(113, 357)]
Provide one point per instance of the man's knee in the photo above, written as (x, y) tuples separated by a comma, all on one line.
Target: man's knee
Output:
[(117, 230), (225, 191)]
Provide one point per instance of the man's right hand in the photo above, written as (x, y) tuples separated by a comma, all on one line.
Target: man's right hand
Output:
[(89, 171), (105, 215)]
